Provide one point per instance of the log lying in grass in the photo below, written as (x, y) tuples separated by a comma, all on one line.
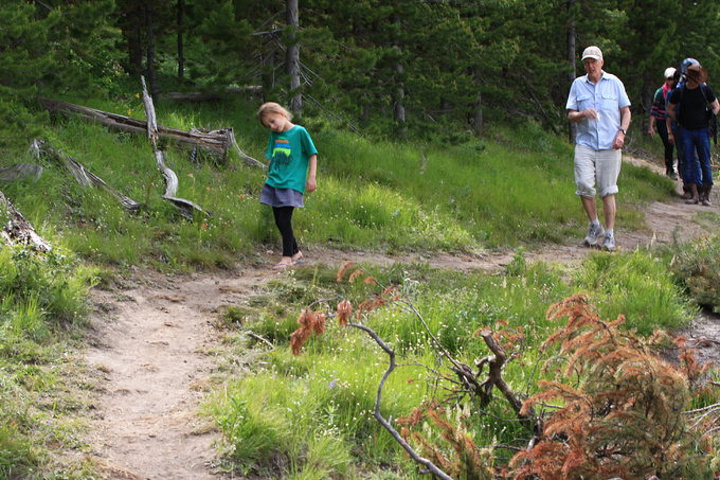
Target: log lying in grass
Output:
[(211, 96), (17, 230), (216, 142), (83, 176)]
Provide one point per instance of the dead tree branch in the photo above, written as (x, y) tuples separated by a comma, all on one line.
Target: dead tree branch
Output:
[(431, 467), (469, 378), (83, 176), (495, 364), (186, 207)]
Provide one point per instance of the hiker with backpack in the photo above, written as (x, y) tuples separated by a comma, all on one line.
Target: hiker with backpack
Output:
[(658, 117), (692, 105)]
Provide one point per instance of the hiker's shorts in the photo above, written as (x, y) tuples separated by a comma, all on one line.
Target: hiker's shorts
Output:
[(596, 168)]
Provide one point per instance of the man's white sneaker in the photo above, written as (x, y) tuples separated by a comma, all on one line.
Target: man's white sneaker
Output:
[(595, 233), (609, 243)]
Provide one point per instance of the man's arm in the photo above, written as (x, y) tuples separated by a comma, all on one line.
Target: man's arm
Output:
[(715, 106), (619, 141), (625, 118)]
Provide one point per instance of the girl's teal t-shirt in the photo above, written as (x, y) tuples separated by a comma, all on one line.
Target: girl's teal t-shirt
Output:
[(289, 153)]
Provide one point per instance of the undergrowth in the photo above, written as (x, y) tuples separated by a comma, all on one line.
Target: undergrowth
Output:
[(43, 309), (331, 388)]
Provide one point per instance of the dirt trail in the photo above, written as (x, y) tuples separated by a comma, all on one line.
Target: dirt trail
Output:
[(154, 344)]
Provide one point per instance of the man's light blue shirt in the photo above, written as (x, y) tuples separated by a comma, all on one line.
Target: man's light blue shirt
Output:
[(606, 97)]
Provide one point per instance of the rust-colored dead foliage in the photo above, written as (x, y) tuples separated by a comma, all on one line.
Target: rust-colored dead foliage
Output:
[(464, 459), (314, 321), (619, 405), (310, 322)]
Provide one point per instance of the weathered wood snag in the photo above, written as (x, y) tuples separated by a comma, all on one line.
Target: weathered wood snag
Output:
[(83, 176), (17, 230), (186, 207)]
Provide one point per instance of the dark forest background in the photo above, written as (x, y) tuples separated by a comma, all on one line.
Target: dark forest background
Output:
[(405, 67)]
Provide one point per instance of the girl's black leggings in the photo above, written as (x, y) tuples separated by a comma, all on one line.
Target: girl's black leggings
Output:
[(283, 220)]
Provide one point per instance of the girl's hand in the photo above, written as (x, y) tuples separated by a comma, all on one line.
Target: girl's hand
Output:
[(310, 185)]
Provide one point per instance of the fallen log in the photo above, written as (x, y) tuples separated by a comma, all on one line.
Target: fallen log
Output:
[(17, 230), (82, 175), (216, 142), (211, 96)]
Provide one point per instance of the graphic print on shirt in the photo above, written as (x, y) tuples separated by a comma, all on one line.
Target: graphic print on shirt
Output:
[(281, 151)]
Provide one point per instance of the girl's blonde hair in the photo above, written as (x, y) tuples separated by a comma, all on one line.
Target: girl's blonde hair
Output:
[(272, 107)]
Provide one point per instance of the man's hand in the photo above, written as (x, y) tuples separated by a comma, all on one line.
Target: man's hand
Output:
[(619, 141)]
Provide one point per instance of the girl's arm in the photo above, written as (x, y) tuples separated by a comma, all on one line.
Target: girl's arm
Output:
[(310, 183)]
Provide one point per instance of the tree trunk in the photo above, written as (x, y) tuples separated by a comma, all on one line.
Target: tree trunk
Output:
[(478, 119), (180, 46), (571, 39), (293, 56), (134, 40), (399, 104), (150, 52), (399, 95)]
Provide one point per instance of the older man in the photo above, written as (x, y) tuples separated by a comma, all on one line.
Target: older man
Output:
[(688, 105), (600, 106)]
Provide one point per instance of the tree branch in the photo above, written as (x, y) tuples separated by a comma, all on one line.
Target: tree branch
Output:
[(432, 468)]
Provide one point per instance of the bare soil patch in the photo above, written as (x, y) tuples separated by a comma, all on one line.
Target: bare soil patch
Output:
[(154, 344)]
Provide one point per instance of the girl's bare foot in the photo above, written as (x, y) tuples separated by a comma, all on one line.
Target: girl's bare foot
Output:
[(285, 262)]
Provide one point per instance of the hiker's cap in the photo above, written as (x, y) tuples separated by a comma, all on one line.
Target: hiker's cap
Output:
[(670, 72), (686, 63), (592, 52)]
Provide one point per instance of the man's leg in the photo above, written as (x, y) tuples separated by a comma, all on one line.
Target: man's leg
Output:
[(609, 209), (590, 207)]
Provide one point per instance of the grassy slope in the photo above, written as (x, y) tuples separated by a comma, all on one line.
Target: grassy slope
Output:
[(513, 189)]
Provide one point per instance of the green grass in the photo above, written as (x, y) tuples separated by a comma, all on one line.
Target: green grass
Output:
[(43, 309)]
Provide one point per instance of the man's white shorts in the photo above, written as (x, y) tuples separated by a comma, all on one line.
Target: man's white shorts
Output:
[(599, 168)]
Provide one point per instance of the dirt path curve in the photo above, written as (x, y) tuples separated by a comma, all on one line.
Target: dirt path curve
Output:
[(154, 339), (154, 344)]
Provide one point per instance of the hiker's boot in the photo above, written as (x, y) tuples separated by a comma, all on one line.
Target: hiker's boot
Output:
[(695, 195), (670, 170), (706, 196), (701, 192), (687, 193)]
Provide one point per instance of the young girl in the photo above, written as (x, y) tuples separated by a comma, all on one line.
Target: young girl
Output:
[(293, 165)]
